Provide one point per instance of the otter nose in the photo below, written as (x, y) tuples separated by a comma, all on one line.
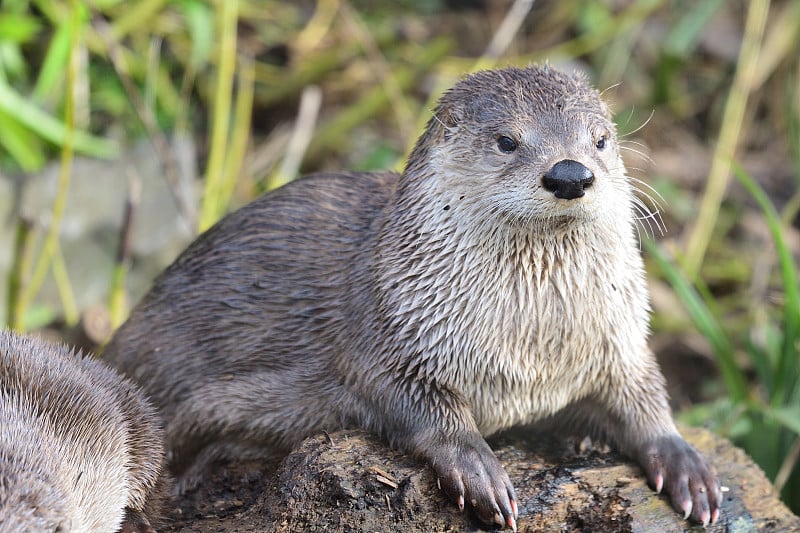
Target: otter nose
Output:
[(568, 179)]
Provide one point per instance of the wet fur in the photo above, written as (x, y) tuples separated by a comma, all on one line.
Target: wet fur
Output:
[(452, 301), (79, 446)]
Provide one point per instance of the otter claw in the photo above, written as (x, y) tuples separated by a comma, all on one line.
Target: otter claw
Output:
[(673, 465), (512, 523), (659, 483), (687, 509)]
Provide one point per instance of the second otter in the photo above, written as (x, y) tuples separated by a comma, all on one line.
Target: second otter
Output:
[(496, 282), (80, 448)]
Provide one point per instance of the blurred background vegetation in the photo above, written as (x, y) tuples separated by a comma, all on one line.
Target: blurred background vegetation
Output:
[(127, 127)]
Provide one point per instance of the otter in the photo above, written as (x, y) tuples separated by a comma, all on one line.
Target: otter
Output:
[(80, 448), (496, 282)]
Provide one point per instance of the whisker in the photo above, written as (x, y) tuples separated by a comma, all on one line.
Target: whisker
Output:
[(610, 87), (638, 152), (650, 216), (638, 169), (633, 141), (626, 142), (636, 181), (652, 114), (639, 235), (652, 204), (647, 202)]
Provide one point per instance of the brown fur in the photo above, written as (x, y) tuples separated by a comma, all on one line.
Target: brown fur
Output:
[(80, 449), (434, 307)]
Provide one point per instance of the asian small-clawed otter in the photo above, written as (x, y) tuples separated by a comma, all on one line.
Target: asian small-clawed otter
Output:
[(80, 449), (496, 282)]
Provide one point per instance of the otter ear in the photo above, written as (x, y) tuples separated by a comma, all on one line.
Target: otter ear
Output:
[(448, 118)]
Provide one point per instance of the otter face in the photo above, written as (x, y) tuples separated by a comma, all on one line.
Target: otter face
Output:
[(531, 146)]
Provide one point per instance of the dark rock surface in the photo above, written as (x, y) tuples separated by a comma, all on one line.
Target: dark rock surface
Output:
[(351, 481)]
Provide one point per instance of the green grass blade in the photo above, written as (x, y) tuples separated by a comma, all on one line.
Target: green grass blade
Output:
[(705, 322), (787, 367), (22, 145), (763, 363), (212, 209), (200, 23), (50, 128), (730, 130), (18, 28), (54, 65), (787, 416), (683, 37), (138, 15)]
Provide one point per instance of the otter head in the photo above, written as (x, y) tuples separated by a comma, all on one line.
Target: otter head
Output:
[(531, 146)]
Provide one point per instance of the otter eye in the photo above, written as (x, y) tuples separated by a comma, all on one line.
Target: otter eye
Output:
[(506, 144), (601, 142)]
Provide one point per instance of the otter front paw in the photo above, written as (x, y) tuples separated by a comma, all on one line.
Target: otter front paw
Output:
[(671, 463), (469, 472)]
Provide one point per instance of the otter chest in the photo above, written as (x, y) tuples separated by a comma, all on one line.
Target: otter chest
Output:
[(536, 340)]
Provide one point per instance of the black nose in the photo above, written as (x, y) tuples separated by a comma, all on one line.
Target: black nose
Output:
[(568, 179)]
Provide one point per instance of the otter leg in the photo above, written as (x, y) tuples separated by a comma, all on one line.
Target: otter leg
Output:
[(438, 426), (642, 424)]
